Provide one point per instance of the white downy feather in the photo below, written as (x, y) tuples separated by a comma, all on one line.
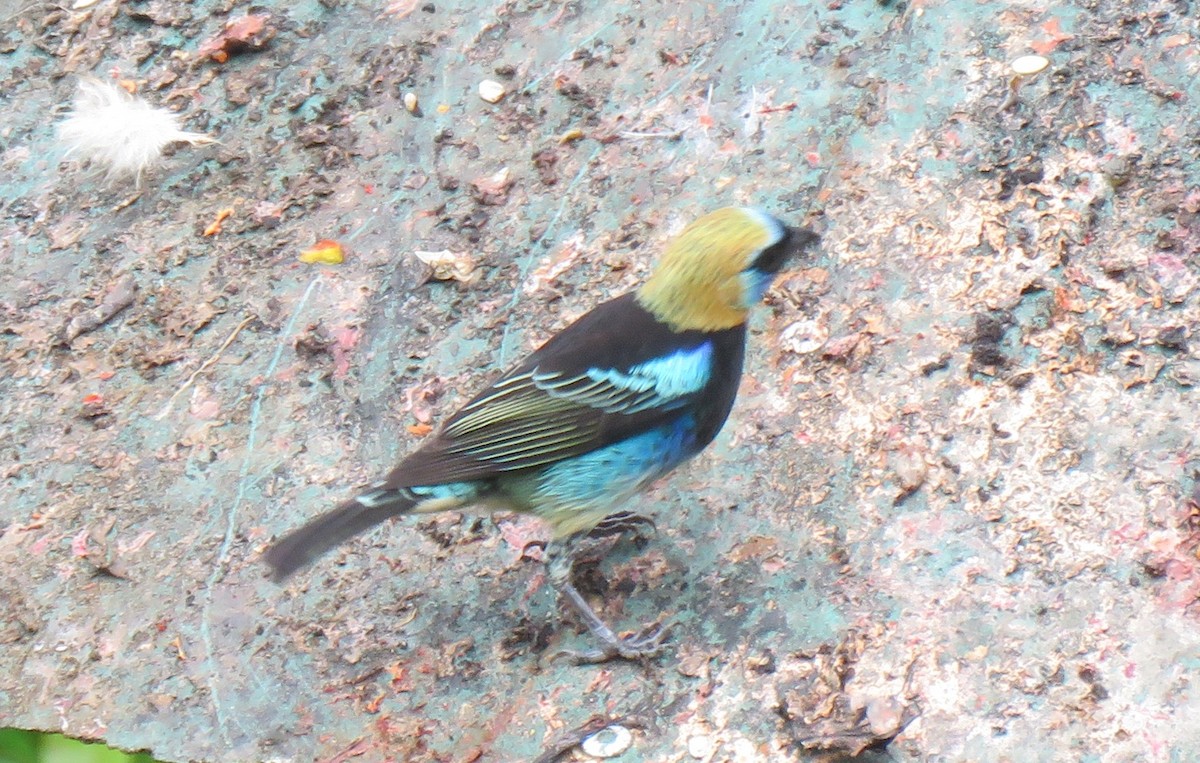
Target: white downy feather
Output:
[(119, 132)]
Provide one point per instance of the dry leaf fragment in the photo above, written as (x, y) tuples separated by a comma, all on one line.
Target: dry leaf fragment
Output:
[(249, 32), (492, 189), (67, 233), (120, 296), (448, 265), (552, 267)]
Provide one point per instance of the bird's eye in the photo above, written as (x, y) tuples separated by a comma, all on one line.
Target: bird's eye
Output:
[(771, 259)]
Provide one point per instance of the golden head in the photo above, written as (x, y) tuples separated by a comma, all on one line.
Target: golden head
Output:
[(718, 268)]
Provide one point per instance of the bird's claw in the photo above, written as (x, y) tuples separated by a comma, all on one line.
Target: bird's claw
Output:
[(646, 643)]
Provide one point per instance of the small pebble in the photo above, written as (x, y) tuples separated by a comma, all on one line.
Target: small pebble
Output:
[(411, 103), (886, 717), (608, 742), (700, 747), (491, 91), (1026, 66)]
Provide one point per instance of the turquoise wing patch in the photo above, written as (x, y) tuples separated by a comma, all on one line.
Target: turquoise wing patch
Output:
[(661, 382), (537, 416)]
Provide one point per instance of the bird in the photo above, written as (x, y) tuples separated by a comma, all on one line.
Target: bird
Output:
[(625, 394)]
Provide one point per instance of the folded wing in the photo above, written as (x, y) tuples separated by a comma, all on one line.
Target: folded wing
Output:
[(568, 399)]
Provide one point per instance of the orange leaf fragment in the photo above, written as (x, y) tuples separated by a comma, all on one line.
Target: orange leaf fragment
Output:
[(242, 29), (372, 706), (324, 252), (1053, 28), (215, 226), (420, 430)]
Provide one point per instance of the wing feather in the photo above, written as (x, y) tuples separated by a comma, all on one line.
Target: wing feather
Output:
[(588, 387)]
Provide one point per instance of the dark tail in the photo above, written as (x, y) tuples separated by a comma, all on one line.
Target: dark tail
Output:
[(304, 546)]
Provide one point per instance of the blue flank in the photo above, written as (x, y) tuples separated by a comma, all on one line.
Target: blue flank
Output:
[(674, 376), (594, 482)]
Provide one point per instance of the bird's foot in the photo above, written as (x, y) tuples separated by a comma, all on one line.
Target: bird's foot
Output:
[(646, 643)]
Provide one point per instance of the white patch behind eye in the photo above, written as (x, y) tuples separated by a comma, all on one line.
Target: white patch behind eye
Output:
[(775, 229)]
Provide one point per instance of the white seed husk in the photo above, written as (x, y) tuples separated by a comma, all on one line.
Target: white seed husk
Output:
[(608, 742), (1027, 66)]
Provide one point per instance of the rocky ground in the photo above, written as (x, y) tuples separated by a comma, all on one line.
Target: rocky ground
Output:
[(953, 512)]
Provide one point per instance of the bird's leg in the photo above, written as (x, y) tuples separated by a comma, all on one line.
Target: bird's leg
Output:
[(645, 643), (595, 544)]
